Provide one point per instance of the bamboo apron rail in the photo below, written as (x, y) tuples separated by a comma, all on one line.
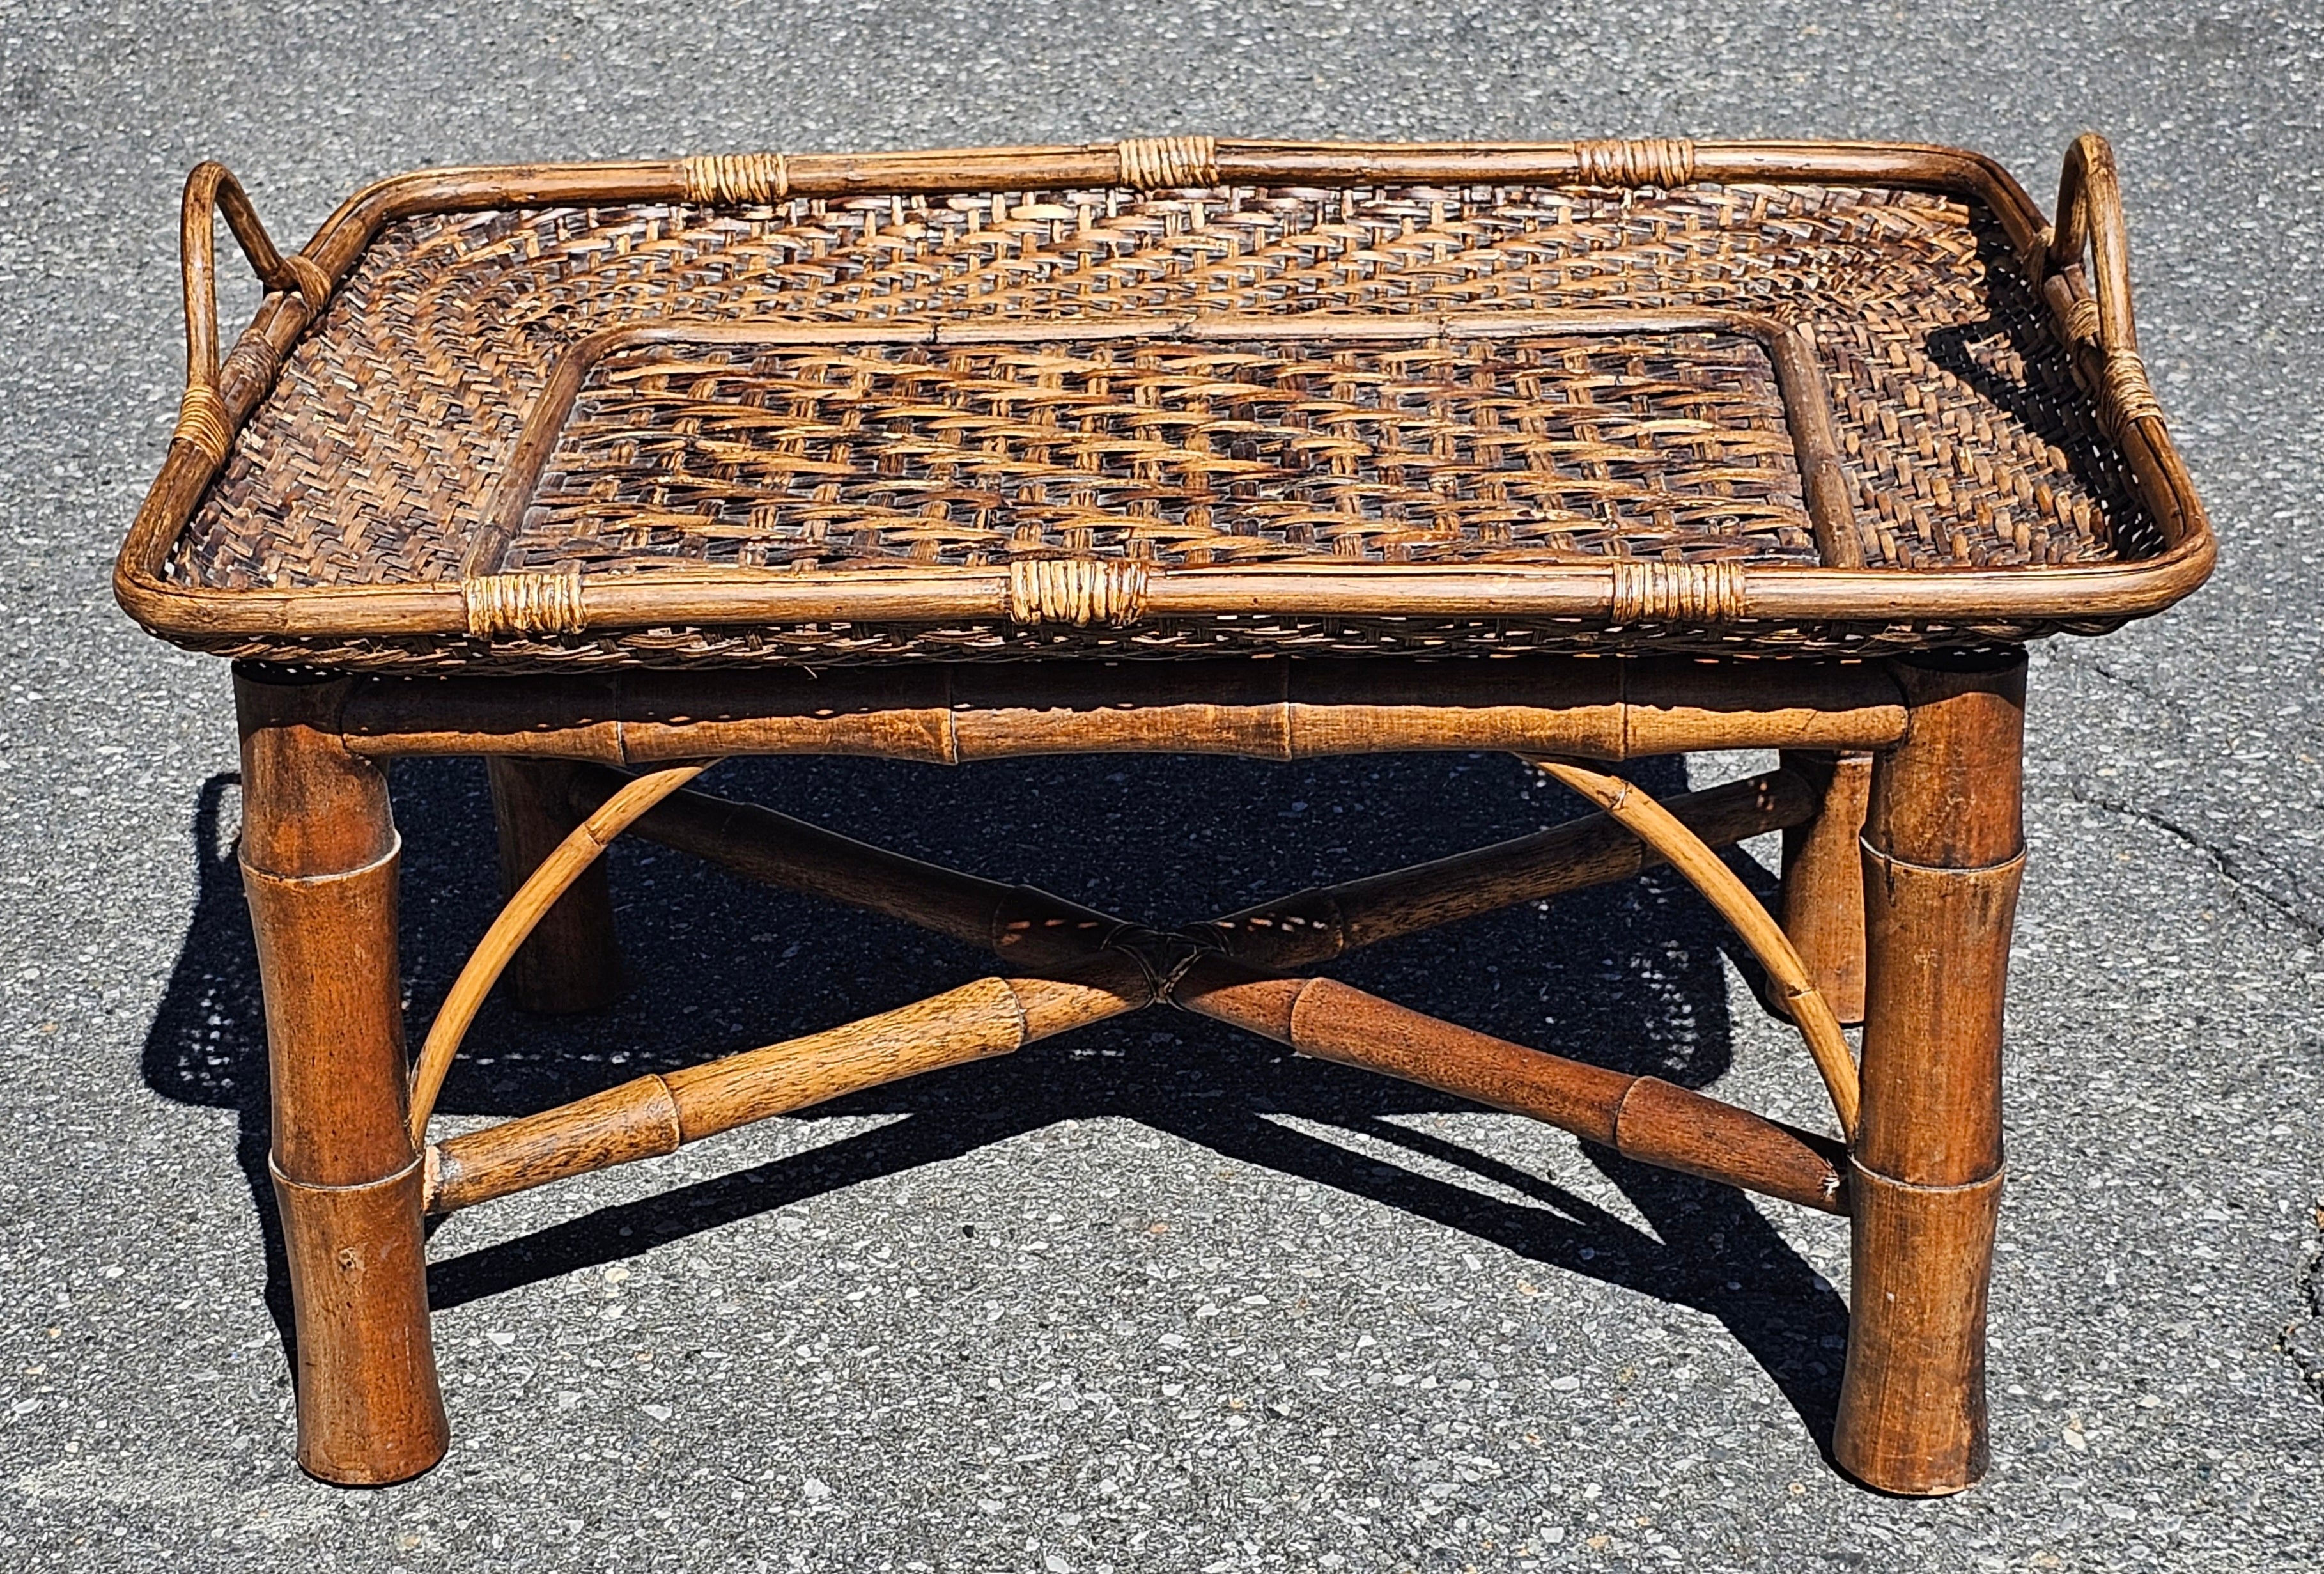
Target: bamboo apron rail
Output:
[(1586, 452)]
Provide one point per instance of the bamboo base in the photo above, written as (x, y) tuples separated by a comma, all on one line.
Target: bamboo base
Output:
[(1822, 906), (1943, 852), (1909, 930), (1912, 1404), (369, 1411), (321, 862)]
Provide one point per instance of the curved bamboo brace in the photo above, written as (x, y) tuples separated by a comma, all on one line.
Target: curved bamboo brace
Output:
[(212, 190), (1663, 831), (532, 899)]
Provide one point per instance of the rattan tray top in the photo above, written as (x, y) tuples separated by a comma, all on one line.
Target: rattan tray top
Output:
[(1172, 397)]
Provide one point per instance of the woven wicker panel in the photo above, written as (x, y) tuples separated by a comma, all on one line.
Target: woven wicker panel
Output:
[(1967, 439), (1662, 445)]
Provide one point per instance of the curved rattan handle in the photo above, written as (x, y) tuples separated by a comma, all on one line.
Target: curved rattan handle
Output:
[(212, 190), (2089, 220)]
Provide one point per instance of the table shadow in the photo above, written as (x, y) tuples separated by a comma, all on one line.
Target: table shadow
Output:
[(1627, 976)]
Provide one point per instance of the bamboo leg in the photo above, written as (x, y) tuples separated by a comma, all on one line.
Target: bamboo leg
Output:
[(1823, 879), (1943, 852), (319, 857), (571, 962)]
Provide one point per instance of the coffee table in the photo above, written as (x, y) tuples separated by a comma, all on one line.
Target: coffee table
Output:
[(1585, 451)]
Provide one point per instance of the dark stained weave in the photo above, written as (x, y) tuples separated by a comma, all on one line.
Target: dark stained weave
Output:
[(1966, 437), (1477, 450)]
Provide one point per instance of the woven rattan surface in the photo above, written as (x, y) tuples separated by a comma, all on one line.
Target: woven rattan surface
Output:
[(1643, 443), (384, 454)]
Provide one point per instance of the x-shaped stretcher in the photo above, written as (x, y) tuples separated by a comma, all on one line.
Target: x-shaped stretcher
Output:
[(1069, 965)]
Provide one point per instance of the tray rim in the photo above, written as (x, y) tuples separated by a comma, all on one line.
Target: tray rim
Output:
[(2090, 308)]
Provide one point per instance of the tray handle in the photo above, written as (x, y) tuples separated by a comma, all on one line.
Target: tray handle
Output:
[(2089, 221), (212, 190)]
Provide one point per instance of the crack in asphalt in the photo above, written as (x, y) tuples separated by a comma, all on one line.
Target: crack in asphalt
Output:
[(2298, 1341), (2226, 861), (2082, 662), (2223, 860)]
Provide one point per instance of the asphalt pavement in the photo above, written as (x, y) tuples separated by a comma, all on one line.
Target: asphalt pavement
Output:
[(1151, 1296)]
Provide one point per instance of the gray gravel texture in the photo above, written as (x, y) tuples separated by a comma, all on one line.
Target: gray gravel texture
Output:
[(1151, 1297)]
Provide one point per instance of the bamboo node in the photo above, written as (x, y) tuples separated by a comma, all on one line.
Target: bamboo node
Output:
[(737, 180), (1696, 595), (1154, 164), (1658, 160), (2128, 396), (1080, 591), (201, 421), (522, 604)]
